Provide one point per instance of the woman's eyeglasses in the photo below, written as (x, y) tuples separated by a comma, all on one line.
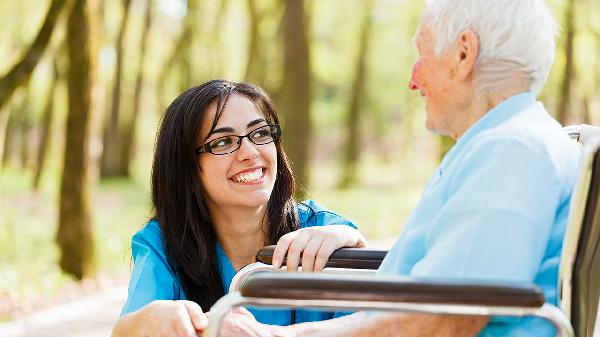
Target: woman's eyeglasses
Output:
[(223, 145)]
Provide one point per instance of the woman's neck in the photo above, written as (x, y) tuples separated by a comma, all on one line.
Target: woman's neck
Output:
[(241, 233)]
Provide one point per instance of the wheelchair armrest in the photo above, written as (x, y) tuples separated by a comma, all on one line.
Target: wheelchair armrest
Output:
[(305, 286), (403, 294), (354, 258)]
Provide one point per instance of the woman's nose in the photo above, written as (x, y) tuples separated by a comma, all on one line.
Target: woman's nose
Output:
[(247, 150)]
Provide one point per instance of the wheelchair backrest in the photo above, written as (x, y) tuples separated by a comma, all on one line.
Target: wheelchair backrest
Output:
[(580, 260)]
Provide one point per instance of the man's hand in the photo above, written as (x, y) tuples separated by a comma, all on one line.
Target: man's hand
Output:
[(241, 323)]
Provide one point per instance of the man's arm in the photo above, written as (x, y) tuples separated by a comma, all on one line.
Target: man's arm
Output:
[(384, 325)]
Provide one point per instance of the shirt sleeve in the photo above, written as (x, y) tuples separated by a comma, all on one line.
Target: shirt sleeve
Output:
[(311, 214), (500, 210), (151, 278)]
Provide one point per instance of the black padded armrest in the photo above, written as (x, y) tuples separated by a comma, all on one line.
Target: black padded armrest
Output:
[(355, 258), (308, 286)]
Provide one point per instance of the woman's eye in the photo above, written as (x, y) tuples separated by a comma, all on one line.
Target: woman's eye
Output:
[(263, 133), (221, 142)]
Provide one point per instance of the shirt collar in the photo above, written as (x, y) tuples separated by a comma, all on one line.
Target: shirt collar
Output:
[(226, 269), (496, 116)]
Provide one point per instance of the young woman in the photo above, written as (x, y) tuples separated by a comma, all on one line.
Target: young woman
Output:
[(222, 189)]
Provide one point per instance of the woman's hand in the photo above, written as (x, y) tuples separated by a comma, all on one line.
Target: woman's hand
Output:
[(172, 318), (314, 245)]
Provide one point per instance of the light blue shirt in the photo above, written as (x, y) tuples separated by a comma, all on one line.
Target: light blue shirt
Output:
[(496, 208), (153, 278)]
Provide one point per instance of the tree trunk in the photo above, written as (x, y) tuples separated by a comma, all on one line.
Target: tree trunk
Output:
[(252, 62), (563, 112), (186, 79), (25, 136), (74, 236), (180, 55), (15, 126), (296, 95), (111, 154), (21, 72), (128, 130), (46, 130), (358, 95), (219, 55)]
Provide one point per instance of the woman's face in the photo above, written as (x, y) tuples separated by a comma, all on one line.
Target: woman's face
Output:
[(245, 177)]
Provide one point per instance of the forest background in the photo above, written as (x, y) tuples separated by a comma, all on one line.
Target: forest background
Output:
[(83, 85)]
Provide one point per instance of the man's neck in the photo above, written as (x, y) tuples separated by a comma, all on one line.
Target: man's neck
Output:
[(481, 104)]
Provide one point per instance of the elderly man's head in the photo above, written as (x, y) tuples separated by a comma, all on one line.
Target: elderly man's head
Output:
[(474, 53)]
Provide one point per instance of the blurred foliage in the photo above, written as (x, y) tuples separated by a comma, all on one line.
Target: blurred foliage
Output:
[(397, 153)]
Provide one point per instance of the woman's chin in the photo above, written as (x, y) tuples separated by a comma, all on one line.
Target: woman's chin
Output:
[(256, 199)]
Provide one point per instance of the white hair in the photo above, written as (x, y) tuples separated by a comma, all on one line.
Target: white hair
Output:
[(516, 38)]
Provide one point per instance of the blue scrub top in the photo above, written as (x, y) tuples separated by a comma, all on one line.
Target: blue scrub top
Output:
[(153, 278), (496, 208)]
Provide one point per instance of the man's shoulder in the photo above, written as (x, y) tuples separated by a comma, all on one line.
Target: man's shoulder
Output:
[(532, 130), (534, 139)]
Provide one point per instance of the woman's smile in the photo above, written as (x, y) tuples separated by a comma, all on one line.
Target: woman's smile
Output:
[(250, 176)]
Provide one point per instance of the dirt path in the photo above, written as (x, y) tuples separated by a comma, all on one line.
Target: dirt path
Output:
[(90, 316)]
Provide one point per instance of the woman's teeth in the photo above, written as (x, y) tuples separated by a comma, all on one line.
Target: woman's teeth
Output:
[(248, 177)]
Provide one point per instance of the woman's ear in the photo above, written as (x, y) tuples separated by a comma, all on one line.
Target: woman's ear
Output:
[(467, 52)]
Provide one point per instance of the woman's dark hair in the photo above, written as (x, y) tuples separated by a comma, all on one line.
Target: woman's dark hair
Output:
[(184, 220)]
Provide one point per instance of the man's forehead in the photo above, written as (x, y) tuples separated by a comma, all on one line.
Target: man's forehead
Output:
[(422, 34)]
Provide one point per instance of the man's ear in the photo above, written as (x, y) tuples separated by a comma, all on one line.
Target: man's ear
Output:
[(466, 54)]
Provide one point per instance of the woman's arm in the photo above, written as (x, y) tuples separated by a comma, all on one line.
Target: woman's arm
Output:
[(321, 232)]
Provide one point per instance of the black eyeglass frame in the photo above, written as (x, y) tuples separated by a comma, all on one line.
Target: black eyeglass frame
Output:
[(205, 148)]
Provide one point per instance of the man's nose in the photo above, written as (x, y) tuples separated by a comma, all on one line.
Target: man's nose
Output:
[(412, 85)]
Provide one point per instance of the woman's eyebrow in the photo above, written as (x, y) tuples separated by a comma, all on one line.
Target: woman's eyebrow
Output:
[(255, 122), (227, 129), (220, 130)]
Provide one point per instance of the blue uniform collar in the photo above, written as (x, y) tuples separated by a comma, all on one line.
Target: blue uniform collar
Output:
[(225, 268), (498, 114)]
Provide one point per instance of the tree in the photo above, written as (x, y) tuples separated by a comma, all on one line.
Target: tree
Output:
[(74, 236), (21, 72), (180, 54), (564, 106), (253, 73), (352, 151), (16, 128), (47, 117), (128, 129), (215, 43), (296, 95), (111, 155)]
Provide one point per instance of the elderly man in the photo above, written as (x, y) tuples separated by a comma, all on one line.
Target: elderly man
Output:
[(496, 208)]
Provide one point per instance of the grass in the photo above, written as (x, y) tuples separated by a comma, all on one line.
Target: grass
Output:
[(28, 255), (29, 273)]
